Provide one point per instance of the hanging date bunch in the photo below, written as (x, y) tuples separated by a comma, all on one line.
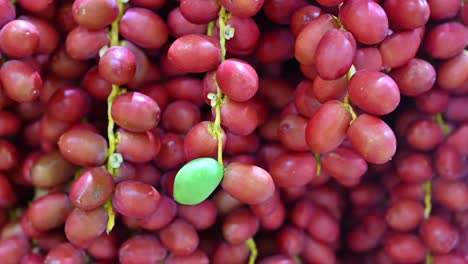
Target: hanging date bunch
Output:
[(233, 131)]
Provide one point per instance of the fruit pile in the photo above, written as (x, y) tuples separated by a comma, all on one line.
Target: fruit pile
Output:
[(233, 131)]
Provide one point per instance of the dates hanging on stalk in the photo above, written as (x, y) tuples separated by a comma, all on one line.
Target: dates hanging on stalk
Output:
[(243, 131)]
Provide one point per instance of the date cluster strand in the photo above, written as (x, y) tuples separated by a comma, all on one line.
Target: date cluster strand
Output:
[(246, 131)]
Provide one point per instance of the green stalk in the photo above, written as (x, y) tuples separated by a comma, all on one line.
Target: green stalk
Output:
[(440, 121), (253, 250), (114, 160), (346, 103), (318, 159), (218, 99), (427, 186), (225, 33)]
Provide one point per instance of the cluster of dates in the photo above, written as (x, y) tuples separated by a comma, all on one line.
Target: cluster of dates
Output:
[(245, 131)]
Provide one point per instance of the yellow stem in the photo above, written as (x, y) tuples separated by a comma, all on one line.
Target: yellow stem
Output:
[(253, 250), (427, 198), (346, 99), (216, 129), (210, 28), (346, 102), (428, 185), (223, 16), (339, 23), (429, 258), (111, 214), (114, 34), (349, 108), (427, 211), (217, 124), (116, 91), (318, 159), (440, 120), (113, 142), (351, 72), (111, 164)]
